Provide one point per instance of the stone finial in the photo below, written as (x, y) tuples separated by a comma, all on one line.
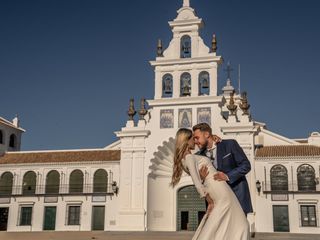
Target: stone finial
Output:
[(232, 107), (244, 105), (214, 46), (228, 89), (143, 111), (131, 112), (159, 48), (16, 121)]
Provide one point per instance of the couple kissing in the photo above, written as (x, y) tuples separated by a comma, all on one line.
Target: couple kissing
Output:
[(218, 171)]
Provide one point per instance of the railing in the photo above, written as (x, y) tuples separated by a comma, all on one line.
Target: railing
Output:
[(56, 190), (292, 188)]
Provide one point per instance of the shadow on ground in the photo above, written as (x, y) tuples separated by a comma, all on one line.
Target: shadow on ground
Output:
[(136, 236)]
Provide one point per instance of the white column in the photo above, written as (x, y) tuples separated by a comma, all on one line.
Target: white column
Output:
[(175, 42), (194, 83), (176, 84), (213, 72), (38, 183), (131, 188), (158, 85), (194, 44)]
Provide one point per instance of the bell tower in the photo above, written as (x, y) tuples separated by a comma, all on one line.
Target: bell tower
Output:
[(185, 94), (187, 68)]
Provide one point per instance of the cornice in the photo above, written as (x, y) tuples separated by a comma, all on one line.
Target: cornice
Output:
[(185, 101), (207, 59)]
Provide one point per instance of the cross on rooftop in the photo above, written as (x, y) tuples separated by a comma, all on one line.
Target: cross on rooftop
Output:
[(229, 69), (186, 3)]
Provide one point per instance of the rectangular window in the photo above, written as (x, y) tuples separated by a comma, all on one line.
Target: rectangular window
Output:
[(308, 216), (25, 216), (74, 215)]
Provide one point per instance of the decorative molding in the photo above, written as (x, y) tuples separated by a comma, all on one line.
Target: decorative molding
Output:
[(204, 115), (208, 59), (162, 163), (239, 128), (133, 132), (166, 118), (185, 118), (186, 101)]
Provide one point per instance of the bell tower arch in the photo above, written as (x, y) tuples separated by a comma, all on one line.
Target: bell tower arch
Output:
[(186, 53)]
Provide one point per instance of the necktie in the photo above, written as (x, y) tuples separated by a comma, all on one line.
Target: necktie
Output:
[(213, 159)]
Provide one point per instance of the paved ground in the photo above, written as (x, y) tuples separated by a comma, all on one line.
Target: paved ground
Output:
[(136, 236)]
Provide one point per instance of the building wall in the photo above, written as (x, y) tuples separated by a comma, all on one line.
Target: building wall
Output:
[(7, 131), (264, 202), (86, 201)]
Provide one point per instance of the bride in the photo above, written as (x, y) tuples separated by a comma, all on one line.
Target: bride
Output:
[(224, 219)]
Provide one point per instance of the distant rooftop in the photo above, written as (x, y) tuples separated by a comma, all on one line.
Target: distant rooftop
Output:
[(60, 156), (10, 124), (288, 151)]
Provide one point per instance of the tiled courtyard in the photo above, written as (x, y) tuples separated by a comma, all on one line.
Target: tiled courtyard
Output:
[(136, 236)]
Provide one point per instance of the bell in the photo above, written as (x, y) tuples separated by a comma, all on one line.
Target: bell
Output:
[(168, 91), (168, 87), (186, 90), (205, 83), (186, 50)]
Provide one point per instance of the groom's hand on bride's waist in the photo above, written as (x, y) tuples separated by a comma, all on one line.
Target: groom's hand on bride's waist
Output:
[(220, 176)]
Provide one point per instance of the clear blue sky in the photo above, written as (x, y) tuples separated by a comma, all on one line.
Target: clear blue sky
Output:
[(69, 67)]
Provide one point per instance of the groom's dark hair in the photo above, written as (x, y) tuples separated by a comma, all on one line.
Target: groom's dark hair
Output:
[(203, 127)]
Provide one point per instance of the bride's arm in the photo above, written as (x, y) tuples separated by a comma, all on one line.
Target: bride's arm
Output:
[(194, 173)]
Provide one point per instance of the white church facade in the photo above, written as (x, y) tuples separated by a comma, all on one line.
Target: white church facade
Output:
[(125, 186)]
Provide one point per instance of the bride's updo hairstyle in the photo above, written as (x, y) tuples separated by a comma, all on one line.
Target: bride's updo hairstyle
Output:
[(182, 137)]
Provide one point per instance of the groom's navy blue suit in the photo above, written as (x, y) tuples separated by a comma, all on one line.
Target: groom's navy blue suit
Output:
[(232, 161)]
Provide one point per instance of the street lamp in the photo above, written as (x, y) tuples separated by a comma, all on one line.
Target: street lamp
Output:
[(258, 185), (115, 188)]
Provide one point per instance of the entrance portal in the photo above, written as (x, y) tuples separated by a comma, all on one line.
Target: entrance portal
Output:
[(281, 218), (190, 209), (4, 213), (49, 218), (98, 216)]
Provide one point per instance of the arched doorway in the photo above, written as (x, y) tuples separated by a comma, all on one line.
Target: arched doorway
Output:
[(190, 209)]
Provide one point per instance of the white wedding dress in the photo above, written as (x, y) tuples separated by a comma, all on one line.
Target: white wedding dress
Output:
[(227, 220)]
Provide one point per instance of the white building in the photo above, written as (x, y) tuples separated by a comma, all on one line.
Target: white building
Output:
[(10, 135), (59, 190), (125, 186)]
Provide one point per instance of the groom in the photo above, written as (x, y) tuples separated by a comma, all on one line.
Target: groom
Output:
[(229, 159)]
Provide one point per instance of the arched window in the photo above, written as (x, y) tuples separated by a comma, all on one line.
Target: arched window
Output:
[(306, 178), (12, 141), (185, 47), (167, 85), (6, 181), (53, 182), (279, 178), (76, 182), (185, 84), (204, 83), (29, 183), (100, 181), (1, 137)]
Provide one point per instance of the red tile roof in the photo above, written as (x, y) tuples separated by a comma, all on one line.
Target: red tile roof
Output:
[(60, 156), (288, 151)]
